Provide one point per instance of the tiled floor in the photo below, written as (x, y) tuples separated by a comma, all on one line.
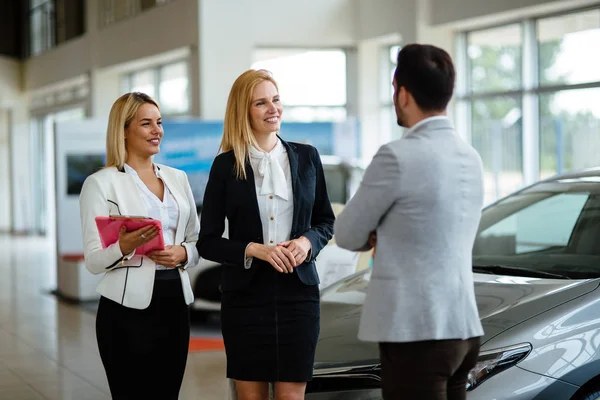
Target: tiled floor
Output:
[(48, 348)]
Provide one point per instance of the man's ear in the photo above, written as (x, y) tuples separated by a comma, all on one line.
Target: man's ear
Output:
[(403, 97)]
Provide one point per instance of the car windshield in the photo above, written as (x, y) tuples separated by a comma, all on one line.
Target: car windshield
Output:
[(552, 227)]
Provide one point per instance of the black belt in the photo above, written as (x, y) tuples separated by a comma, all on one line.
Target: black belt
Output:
[(166, 274)]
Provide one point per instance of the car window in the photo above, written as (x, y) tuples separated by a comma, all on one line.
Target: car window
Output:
[(545, 224), (335, 180)]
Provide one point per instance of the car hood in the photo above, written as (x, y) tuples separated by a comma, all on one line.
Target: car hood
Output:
[(503, 302)]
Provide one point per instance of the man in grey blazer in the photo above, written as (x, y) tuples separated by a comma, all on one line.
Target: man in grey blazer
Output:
[(420, 202)]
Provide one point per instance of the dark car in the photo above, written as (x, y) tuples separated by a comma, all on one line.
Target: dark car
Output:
[(536, 261)]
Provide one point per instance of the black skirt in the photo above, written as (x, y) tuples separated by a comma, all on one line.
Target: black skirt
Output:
[(144, 352), (270, 328)]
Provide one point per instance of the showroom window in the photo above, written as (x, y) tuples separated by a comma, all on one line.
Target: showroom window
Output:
[(168, 84), (111, 11), (530, 98), (312, 83), (389, 123), (41, 26)]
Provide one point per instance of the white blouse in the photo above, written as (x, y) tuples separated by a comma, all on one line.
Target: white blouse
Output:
[(273, 180), (166, 210)]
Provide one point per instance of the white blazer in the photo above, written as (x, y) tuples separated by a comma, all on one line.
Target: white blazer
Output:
[(112, 192)]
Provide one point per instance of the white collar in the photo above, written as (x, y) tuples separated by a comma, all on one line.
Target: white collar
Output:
[(133, 172), (274, 181), (423, 122)]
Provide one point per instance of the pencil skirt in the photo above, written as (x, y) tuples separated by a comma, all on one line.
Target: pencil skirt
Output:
[(270, 328), (144, 352)]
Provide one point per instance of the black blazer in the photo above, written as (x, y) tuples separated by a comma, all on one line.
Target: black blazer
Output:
[(227, 196)]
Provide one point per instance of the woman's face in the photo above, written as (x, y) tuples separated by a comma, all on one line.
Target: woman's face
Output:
[(266, 109), (145, 132)]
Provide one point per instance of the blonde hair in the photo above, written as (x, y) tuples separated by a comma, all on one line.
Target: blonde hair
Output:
[(121, 114), (237, 130)]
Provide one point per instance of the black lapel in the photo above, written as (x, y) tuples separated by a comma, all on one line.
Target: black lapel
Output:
[(251, 187), (293, 158)]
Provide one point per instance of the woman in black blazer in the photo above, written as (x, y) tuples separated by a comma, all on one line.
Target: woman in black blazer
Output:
[(274, 197)]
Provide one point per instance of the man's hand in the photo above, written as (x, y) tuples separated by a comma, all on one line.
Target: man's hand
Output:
[(170, 257), (373, 239), (299, 248)]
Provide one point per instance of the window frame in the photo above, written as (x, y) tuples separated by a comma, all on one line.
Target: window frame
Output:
[(45, 37), (389, 128), (529, 90), (127, 84), (290, 107)]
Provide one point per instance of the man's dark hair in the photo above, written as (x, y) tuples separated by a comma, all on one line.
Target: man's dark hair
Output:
[(427, 72)]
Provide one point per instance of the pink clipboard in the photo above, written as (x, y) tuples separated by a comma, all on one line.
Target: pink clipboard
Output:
[(109, 227)]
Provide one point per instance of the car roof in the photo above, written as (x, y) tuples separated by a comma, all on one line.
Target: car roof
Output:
[(576, 175), (587, 176)]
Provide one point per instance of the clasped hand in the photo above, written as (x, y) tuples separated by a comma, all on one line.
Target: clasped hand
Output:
[(170, 257), (285, 256)]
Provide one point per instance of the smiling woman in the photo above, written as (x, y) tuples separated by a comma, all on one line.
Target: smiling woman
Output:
[(142, 323), (273, 194)]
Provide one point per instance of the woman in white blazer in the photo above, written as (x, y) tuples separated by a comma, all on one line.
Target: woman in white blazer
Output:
[(142, 325)]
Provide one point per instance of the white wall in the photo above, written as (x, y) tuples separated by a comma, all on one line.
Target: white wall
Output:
[(158, 30), (10, 81), (105, 88), (376, 18), (5, 178), (73, 137), (452, 11), (68, 60), (369, 102), (13, 103), (22, 198), (230, 30)]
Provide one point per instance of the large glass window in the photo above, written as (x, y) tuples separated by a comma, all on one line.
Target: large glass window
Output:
[(495, 59), (173, 88), (565, 48), (532, 97), (389, 122), (312, 83), (112, 11), (497, 136), (144, 81), (168, 84), (569, 130), (41, 26)]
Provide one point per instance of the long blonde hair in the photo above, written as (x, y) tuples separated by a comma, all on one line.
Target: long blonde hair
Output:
[(121, 114), (237, 130)]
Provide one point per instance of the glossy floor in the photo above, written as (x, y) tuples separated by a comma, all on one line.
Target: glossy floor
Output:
[(48, 348)]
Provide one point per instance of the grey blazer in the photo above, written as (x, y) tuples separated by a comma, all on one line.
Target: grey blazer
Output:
[(423, 194)]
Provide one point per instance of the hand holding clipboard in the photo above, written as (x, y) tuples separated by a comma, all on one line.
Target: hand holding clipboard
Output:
[(133, 233)]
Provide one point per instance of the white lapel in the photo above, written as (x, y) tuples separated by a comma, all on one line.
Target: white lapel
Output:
[(180, 197), (128, 195), (173, 185)]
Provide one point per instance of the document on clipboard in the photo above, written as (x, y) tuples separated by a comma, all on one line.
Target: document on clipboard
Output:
[(109, 227)]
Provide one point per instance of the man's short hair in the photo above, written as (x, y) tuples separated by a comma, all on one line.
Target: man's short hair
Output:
[(427, 72)]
